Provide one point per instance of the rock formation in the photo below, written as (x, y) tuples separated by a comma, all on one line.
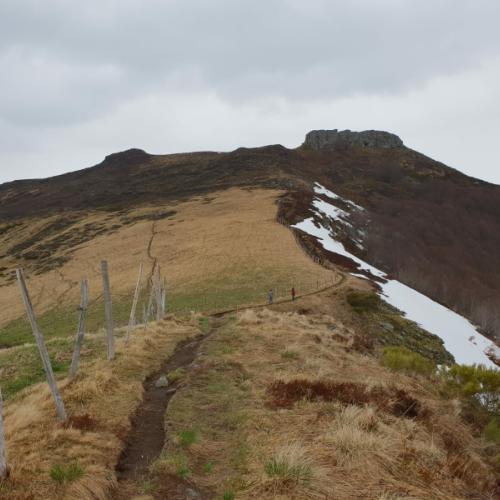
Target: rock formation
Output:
[(331, 140)]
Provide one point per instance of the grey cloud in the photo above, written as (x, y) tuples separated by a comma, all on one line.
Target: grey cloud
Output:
[(69, 69), (242, 50)]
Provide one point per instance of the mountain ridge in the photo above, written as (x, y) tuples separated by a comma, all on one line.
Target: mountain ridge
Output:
[(431, 226)]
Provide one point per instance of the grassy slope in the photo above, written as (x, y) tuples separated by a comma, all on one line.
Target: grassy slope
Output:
[(241, 442), (225, 431), (214, 254)]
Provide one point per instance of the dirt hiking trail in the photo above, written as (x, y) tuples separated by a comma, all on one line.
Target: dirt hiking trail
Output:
[(146, 438)]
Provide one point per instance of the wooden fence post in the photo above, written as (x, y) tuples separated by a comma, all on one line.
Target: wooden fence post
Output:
[(84, 299), (164, 298), (3, 460), (108, 310), (131, 322), (150, 302), (158, 294), (42, 348)]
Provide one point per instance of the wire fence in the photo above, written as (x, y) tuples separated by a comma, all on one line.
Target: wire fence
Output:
[(62, 320)]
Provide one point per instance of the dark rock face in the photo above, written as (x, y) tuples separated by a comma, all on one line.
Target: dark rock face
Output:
[(333, 140)]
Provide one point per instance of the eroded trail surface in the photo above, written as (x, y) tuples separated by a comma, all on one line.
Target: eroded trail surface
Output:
[(147, 435)]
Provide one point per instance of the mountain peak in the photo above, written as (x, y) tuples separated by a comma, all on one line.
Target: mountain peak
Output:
[(333, 140), (130, 156)]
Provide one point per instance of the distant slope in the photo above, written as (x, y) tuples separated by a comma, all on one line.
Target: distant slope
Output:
[(426, 224)]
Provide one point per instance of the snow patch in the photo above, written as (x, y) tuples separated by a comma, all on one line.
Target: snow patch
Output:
[(459, 336), (319, 189)]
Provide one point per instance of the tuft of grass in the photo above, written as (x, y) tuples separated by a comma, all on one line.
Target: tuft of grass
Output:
[(204, 324), (66, 473), (208, 467), (400, 358), (187, 437), (182, 471), (492, 430), (289, 466), (226, 349), (149, 487), (228, 495), (176, 375), (289, 354)]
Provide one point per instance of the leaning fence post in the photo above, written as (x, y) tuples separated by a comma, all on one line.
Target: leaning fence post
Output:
[(131, 322), (108, 311), (84, 298), (164, 298), (150, 302), (158, 294), (42, 348), (3, 460)]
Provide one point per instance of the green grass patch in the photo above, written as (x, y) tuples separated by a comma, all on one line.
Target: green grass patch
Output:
[(187, 438), (66, 473), (204, 323), (400, 358), (221, 388), (208, 467), (175, 375), (21, 366), (228, 495), (182, 471), (289, 354)]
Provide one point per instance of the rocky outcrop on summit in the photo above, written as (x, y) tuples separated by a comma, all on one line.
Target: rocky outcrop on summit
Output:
[(333, 140)]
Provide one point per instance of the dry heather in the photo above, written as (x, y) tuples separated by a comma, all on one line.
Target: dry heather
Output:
[(380, 436), (99, 401), (224, 245)]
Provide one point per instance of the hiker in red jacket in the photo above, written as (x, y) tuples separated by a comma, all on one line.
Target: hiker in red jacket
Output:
[(293, 293)]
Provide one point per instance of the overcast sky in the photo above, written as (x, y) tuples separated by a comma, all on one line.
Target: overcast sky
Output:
[(82, 79)]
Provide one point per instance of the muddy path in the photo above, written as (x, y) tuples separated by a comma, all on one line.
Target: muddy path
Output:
[(146, 438)]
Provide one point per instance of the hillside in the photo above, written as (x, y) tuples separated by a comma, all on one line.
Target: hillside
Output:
[(349, 391), (428, 225)]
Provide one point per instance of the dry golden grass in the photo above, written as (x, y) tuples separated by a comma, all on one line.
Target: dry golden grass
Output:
[(228, 244), (315, 448), (101, 399)]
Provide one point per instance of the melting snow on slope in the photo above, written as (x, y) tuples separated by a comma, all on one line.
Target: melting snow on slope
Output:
[(459, 336)]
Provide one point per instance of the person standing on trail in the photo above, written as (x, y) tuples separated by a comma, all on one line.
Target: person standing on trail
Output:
[(270, 296), (293, 293)]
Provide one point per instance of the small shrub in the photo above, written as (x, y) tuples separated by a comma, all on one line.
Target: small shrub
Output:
[(476, 382), (187, 438), (400, 358), (66, 473), (289, 354), (492, 430), (363, 302), (394, 400)]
